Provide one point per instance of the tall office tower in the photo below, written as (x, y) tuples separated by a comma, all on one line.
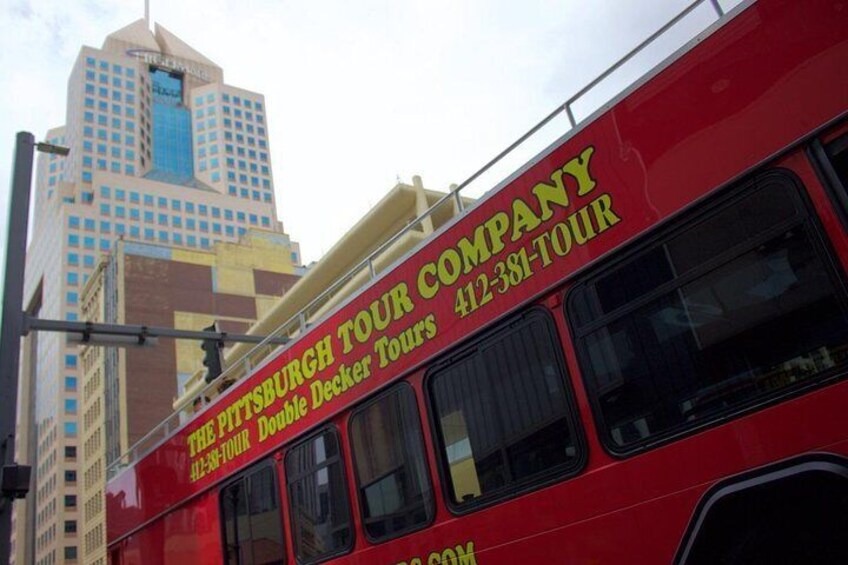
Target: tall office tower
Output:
[(162, 151)]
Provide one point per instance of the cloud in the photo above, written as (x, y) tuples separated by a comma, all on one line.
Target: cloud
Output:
[(357, 92)]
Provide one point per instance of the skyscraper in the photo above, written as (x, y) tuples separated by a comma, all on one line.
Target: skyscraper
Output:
[(162, 150)]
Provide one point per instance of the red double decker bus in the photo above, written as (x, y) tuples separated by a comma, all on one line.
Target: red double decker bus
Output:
[(633, 350)]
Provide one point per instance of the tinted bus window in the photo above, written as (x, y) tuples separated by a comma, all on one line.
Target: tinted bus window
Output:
[(253, 532), (391, 471), (502, 414), (743, 306), (319, 507)]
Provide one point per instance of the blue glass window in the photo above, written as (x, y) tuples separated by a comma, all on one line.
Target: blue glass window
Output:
[(253, 219), (73, 240), (178, 239), (70, 429), (133, 195), (176, 221), (163, 236), (73, 278), (90, 224), (105, 210), (70, 383), (120, 212), (120, 229), (104, 245), (190, 224), (228, 215), (204, 225), (175, 205), (172, 135), (163, 219), (73, 222), (71, 297), (148, 233), (148, 200), (191, 240), (189, 207), (71, 361), (201, 209), (216, 212), (240, 216), (148, 216), (88, 242), (204, 242), (134, 232), (230, 231), (88, 260), (134, 214), (105, 227)]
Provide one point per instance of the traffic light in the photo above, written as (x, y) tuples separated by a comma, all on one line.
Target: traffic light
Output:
[(212, 354)]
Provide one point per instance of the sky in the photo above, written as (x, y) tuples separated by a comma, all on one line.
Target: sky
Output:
[(358, 94)]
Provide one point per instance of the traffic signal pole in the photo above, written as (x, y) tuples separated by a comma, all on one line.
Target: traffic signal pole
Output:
[(13, 319)]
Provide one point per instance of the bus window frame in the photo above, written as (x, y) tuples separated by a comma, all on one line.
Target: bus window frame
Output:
[(331, 426), (491, 333), (679, 223), (431, 505), (266, 462), (821, 154)]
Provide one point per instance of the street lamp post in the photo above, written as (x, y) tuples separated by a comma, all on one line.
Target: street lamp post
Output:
[(15, 479)]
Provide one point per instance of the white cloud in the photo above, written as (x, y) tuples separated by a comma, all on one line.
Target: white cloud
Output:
[(357, 92)]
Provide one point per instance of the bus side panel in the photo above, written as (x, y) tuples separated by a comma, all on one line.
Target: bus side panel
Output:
[(188, 534), (630, 511)]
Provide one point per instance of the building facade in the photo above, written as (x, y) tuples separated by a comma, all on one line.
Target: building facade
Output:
[(162, 151), (127, 391)]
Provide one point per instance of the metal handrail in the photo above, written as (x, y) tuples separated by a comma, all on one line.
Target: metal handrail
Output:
[(300, 321)]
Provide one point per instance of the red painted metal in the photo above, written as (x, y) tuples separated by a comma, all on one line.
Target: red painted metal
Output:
[(746, 96)]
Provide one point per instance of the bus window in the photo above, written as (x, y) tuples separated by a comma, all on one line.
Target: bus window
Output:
[(391, 472), (731, 309), (503, 417), (253, 532), (320, 511)]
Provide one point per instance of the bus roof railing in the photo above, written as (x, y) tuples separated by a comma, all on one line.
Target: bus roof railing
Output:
[(297, 325)]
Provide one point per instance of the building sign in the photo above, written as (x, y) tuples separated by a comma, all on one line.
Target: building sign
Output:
[(169, 62)]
